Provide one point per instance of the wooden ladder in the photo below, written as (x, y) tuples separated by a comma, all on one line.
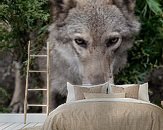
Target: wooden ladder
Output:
[(26, 105)]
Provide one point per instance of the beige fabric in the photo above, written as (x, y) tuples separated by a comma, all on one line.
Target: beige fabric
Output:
[(124, 85), (131, 92), (71, 93), (105, 116), (142, 93), (101, 95), (79, 91)]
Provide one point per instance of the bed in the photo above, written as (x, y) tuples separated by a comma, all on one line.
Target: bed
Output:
[(105, 114)]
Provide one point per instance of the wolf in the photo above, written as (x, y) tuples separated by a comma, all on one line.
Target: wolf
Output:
[(89, 40)]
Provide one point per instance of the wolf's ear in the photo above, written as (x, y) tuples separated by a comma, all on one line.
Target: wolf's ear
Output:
[(128, 9), (127, 6), (60, 8)]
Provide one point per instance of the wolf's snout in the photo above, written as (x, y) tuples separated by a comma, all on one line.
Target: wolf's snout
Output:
[(94, 80), (97, 79)]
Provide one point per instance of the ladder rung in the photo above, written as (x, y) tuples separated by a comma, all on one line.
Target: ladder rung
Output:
[(36, 105), (35, 71), (38, 55), (37, 89)]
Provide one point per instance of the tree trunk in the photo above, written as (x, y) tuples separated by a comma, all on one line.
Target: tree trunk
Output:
[(18, 96)]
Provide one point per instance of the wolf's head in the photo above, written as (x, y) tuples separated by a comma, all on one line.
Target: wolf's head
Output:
[(97, 33)]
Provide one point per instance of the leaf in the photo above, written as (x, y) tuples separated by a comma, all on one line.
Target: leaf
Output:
[(154, 6)]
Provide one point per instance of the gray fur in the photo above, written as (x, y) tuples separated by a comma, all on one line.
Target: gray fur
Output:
[(95, 21)]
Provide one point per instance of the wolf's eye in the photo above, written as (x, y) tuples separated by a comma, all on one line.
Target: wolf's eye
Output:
[(111, 41), (81, 42)]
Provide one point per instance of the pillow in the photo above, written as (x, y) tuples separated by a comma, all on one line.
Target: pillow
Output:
[(132, 90), (71, 92), (79, 91), (102, 95), (143, 92)]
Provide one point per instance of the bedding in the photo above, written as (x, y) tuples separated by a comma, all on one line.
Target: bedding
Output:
[(143, 92), (131, 92), (105, 114), (75, 92), (101, 95), (137, 91), (79, 91)]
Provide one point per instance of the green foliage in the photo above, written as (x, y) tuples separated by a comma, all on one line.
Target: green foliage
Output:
[(150, 6), (22, 17), (4, 96), (147, 51)]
